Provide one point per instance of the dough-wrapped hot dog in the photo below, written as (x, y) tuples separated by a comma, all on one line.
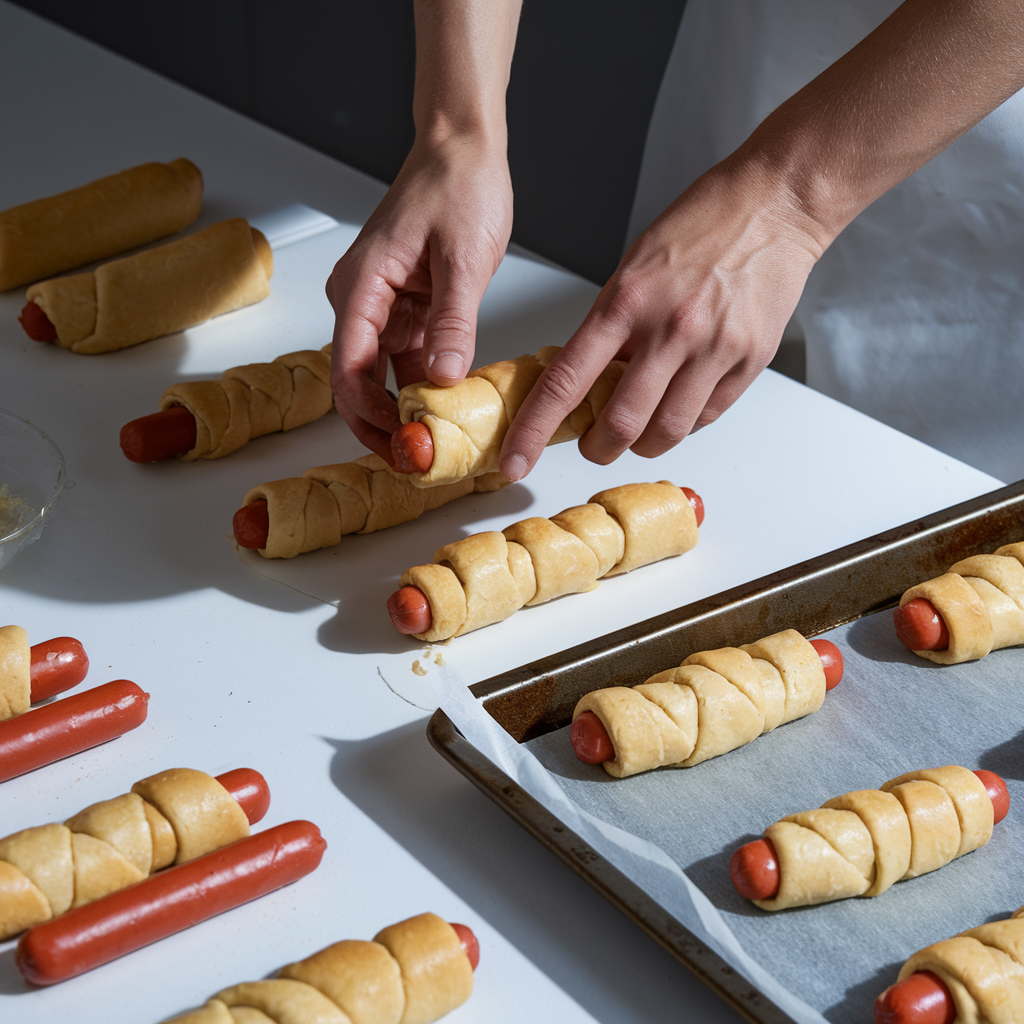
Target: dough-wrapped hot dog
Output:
[(98, 220), (159, 291), (468, 422), (413, 972), (715, 701), (320, 507), (168, 818), (489, 576), (860, 843), (30, 674), (981, 603), (981, 970)]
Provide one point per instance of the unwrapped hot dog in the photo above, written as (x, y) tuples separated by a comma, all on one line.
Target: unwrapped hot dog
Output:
[(248, 401), (714, 702), (168, 818), (978, 607), (317, 509), (413, 972), (159, 291), (487, 577), (97, 221), (461, 428), (31, 674)]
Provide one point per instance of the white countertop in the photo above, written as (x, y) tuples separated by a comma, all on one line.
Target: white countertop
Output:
[(281, 673)]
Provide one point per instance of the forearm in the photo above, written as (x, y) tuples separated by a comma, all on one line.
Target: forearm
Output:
[(463, 60), (925, 76)]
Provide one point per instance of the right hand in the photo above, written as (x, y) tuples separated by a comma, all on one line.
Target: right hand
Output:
[(410, 286)]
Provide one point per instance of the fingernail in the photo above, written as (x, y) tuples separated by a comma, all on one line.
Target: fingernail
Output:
[(514, 467), (446, 364)]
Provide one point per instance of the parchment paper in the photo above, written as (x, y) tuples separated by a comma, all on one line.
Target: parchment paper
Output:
[(892, 713)]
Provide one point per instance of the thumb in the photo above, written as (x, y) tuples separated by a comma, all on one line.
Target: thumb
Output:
[(449, 339)]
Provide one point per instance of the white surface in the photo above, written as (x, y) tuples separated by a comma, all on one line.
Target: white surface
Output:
[(244, 671)]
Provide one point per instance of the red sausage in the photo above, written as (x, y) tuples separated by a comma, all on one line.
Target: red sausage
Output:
[(251, 525), (56, 666), (68, 726), (410, 610), (412, 448), (251, 791), (696, 501), (920, 627), (161, 435), (831, 662), (168, 902), (755, 867), (37, 324), (920, 999), (590, 739), (469, 943)]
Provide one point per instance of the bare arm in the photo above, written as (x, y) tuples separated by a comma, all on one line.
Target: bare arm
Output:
[(699, 302), (410, 286)]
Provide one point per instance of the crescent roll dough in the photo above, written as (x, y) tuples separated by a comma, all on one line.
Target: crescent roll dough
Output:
[(712, 703), (860, 843), (981, 600), (98, 220), (487, 577), (413, 972), (983, 969), (159, 291), (169, 818), (468, 421), (317, 509), (15, 666), (253, 400)]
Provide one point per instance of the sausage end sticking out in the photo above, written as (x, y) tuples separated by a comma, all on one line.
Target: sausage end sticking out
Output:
[(696, 501), (831, 662), (997, 793), (590, 739), (410, 610), (469, 943), (56, 665), (251, 525), (920, 627), (754, 868), (250, 791), (37, 324), (920, 999), (412, 448), (159, 436)]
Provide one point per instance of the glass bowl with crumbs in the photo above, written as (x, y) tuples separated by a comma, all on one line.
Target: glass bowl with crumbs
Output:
[(32, 476)]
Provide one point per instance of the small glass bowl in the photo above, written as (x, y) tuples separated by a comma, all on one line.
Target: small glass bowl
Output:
[(32, 476)]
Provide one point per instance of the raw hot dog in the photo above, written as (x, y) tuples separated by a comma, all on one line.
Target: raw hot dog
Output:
[(409, 609), (68, 726), (920, 999), (920, 627), (249, 790), (469, 943), (754, 867), (162, 435), (57, 665), (592, 744), (412, 448), (251, 525), (169, 902), (37, 324)]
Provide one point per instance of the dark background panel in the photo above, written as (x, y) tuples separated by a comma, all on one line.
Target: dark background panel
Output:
[(338, 76)]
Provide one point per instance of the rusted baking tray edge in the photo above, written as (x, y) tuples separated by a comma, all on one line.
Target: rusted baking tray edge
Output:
[(812, 596)]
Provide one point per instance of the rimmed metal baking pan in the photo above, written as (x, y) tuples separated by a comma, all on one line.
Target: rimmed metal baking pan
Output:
[(812, 596)]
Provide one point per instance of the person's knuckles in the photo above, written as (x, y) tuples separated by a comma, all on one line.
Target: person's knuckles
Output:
[(619, 426)]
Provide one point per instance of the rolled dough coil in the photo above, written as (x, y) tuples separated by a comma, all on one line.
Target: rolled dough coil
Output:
[(15, 672), (469, 420), (168, 818), (713, 702), (97, 221), (413, 972), (158, 291)]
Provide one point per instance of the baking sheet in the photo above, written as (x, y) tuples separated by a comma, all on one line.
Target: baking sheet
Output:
[(892, 713)]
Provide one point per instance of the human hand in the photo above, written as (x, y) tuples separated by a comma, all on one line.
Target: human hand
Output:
[(697, 308), (410, 286)]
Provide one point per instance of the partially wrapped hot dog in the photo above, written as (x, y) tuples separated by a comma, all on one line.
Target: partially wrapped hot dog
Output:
[(413, 972), (97, 221), (155, 292), (31, 674)]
